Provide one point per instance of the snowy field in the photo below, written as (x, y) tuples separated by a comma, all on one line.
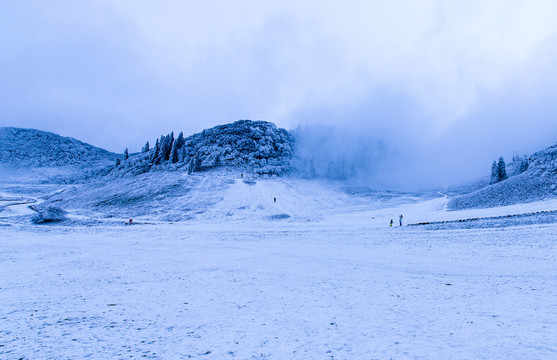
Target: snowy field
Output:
[(343, 285)]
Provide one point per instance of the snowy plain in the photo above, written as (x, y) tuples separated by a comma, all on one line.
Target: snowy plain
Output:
[(331, 280)]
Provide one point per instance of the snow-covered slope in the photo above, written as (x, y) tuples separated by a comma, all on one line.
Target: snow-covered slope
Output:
[(539, 182), (29, 148), (216, 195)]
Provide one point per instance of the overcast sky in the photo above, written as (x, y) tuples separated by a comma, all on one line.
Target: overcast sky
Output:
[(447, 86)]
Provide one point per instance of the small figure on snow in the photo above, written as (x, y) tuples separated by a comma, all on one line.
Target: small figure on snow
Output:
[(275, 199), (400, 220), (391, 225)]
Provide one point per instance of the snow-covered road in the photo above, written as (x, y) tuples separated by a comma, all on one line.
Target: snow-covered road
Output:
[(343, 290)]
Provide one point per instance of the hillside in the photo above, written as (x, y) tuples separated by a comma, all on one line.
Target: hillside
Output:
[(29, 148), (257, 146), (539, 182), (219, 194)]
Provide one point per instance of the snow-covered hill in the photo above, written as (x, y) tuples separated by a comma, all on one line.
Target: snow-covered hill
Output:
[(539, 182), (29, 148), (256, 146)]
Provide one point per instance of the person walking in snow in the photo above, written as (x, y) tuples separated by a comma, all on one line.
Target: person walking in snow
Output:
[(400, 220), (391, 225)]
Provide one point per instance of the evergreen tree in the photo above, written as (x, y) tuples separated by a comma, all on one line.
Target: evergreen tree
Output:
[(126, 154), (494, 176), (145, 148), (174, 152), (195, 163), (166, 146), (180, 140), (163, 154), (501, 170), (156, 152)]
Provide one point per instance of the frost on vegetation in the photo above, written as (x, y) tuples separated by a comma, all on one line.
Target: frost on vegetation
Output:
[(47, 214), (35, 148), (531, 179), (255, 145)]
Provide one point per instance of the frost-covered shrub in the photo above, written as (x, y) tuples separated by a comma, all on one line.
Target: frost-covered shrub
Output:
[(48, 213)]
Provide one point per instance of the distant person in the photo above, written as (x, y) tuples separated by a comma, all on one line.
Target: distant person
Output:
[(391, 223), (242, 175), (275, 199), (400, 220)]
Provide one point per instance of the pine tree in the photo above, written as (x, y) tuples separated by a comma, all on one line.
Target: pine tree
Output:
[(163, 154), (195, 163), (166, 146), (174, 152), (156, 152), (126, 154), (501, 170), (494, 176), (145, 148), (180, 140)]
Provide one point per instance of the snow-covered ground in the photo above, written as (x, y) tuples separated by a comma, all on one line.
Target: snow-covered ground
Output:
[(331, 281)]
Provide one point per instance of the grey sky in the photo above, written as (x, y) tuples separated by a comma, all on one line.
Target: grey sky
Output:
[(448, 86)]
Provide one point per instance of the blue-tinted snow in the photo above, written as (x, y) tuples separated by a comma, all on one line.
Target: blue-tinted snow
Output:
[(537, 183)]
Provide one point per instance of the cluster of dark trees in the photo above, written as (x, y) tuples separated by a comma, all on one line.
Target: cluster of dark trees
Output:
[(166, 148), (499, 168), (498, 171)]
